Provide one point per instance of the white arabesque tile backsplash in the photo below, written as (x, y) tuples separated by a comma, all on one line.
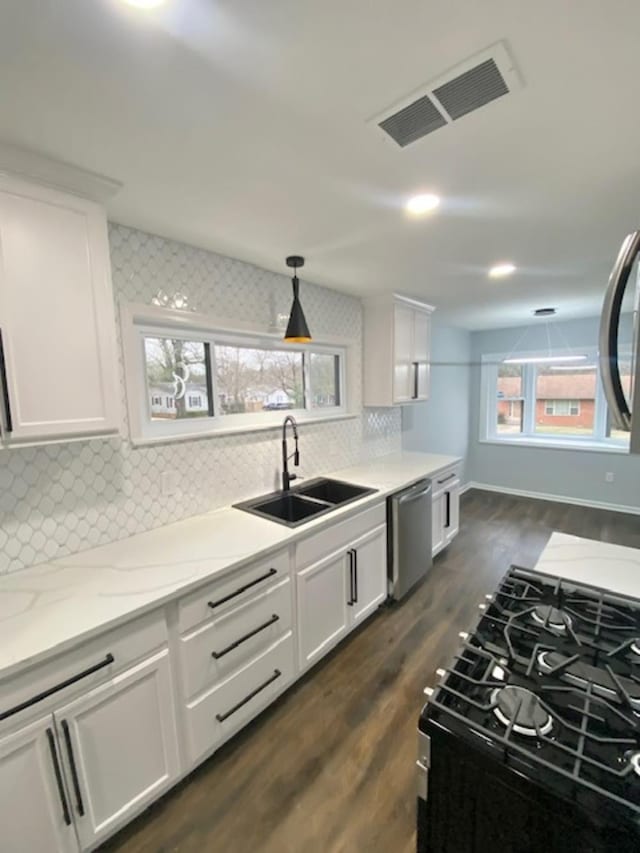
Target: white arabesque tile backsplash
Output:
[(67, 497)]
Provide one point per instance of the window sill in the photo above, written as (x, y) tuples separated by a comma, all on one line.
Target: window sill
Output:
[(554, 444), (141, 441)]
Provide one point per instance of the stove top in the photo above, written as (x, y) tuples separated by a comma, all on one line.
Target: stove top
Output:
[(549, 681)]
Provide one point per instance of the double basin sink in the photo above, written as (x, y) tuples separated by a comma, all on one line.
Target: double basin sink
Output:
[(315, 498)]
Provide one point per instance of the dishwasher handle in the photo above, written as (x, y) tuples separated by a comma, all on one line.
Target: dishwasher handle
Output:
[(415, 493)]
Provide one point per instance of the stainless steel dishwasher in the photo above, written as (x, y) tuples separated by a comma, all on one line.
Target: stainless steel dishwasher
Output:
[(408, 537)]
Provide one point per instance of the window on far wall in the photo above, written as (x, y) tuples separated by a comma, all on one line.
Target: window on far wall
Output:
[(557, 401)]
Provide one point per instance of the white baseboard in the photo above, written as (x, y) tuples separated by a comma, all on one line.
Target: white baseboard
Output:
[(542, 496), (466, 487)]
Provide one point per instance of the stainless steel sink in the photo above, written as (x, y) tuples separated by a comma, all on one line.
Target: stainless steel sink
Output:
[(310, 500)]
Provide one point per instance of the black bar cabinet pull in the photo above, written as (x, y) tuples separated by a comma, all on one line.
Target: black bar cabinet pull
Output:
[(242, 589), (222, 717), (5, 388), (355, 575), (45, 693), (58, 774), (448, 521), (218, 655), (416, 368), (351, 601), (74, 770), (446, 479)]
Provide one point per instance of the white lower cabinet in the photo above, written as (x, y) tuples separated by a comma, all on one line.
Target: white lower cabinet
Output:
[(323, 616), (119, 747), (337, 592), (73, 777), (445, 512), (35, 810)]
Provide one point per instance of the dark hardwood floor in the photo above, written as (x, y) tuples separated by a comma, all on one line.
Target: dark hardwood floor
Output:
[(330, 767)]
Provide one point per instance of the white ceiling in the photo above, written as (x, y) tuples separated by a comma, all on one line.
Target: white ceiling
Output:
[(241, 126)]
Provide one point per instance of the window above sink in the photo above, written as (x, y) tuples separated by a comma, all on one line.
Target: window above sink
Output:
[(186, 376)]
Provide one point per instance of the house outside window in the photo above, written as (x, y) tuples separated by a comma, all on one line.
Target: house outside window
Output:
[(193, 379), (537, 399)]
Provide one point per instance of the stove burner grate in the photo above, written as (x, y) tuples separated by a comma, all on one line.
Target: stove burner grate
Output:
[(522, 710)]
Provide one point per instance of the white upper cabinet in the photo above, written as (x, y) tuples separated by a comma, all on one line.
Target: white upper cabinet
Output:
[(59, 378), (397, 345)]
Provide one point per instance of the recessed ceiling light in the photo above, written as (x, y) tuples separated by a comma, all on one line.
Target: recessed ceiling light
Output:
[(502, 270), (144, 4), (422, 203)]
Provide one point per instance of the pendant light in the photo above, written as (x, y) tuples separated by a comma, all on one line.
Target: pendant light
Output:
[(297, 329)]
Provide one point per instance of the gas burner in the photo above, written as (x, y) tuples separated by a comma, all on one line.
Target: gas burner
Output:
[(552, 618), (498, 671), (635, 762), (521, 707)]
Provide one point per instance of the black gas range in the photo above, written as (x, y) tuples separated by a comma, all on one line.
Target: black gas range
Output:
[(531, 739)]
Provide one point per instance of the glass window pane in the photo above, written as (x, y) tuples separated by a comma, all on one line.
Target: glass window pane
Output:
[(177, 379), (255, 380), (566, 398), (510, 403), (324, 379), (625, 363)]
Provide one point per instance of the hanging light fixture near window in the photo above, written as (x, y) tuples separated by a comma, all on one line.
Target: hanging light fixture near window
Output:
[(297, 329)]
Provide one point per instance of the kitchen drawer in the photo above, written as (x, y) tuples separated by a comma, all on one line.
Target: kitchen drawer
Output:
[(231, 589), (230, 705), (316, 547), (443, 479), (95, 660), (235, 637)]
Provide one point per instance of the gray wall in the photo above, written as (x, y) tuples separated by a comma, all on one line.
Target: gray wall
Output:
[(565, 473), (441, 425)]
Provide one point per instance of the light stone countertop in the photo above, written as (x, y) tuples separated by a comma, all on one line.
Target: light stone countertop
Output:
[(601, 564), (53, 606)]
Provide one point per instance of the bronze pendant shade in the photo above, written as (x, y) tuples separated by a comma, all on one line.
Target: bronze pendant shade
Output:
[(297, 329)]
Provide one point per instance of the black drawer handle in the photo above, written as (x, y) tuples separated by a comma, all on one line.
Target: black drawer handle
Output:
[(446, 479), (242, 589), (72, 766), (218, 655), (222, 717), (355, 575), (5, 388), (46, 693), (448, 518), (352, 598), (58, 774)]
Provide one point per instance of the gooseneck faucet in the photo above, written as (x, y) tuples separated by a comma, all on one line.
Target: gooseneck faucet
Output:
[(286, 476)]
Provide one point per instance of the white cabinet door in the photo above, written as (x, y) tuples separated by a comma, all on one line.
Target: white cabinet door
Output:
[(369, 570), (35, 811), (452, 510), (119, 745), (437, 523), (56, 315), (421, 336), (322, 606), (403, 369)]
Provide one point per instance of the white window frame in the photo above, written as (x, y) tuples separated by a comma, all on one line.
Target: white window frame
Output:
[(488, 432), (140, 321)]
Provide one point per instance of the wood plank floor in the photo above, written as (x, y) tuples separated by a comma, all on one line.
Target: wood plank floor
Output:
[(330, 767)]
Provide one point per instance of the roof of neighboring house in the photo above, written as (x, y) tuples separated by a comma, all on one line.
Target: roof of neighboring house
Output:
[(554, 387)]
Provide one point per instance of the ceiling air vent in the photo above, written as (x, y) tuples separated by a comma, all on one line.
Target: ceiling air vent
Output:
[(413, 122), (472, 84)]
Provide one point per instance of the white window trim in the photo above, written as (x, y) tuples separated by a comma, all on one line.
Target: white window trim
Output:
[(488, 433), (138, 320)]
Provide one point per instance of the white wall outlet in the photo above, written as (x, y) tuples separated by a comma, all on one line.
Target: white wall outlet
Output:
[(169, 483), (608, 477)]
